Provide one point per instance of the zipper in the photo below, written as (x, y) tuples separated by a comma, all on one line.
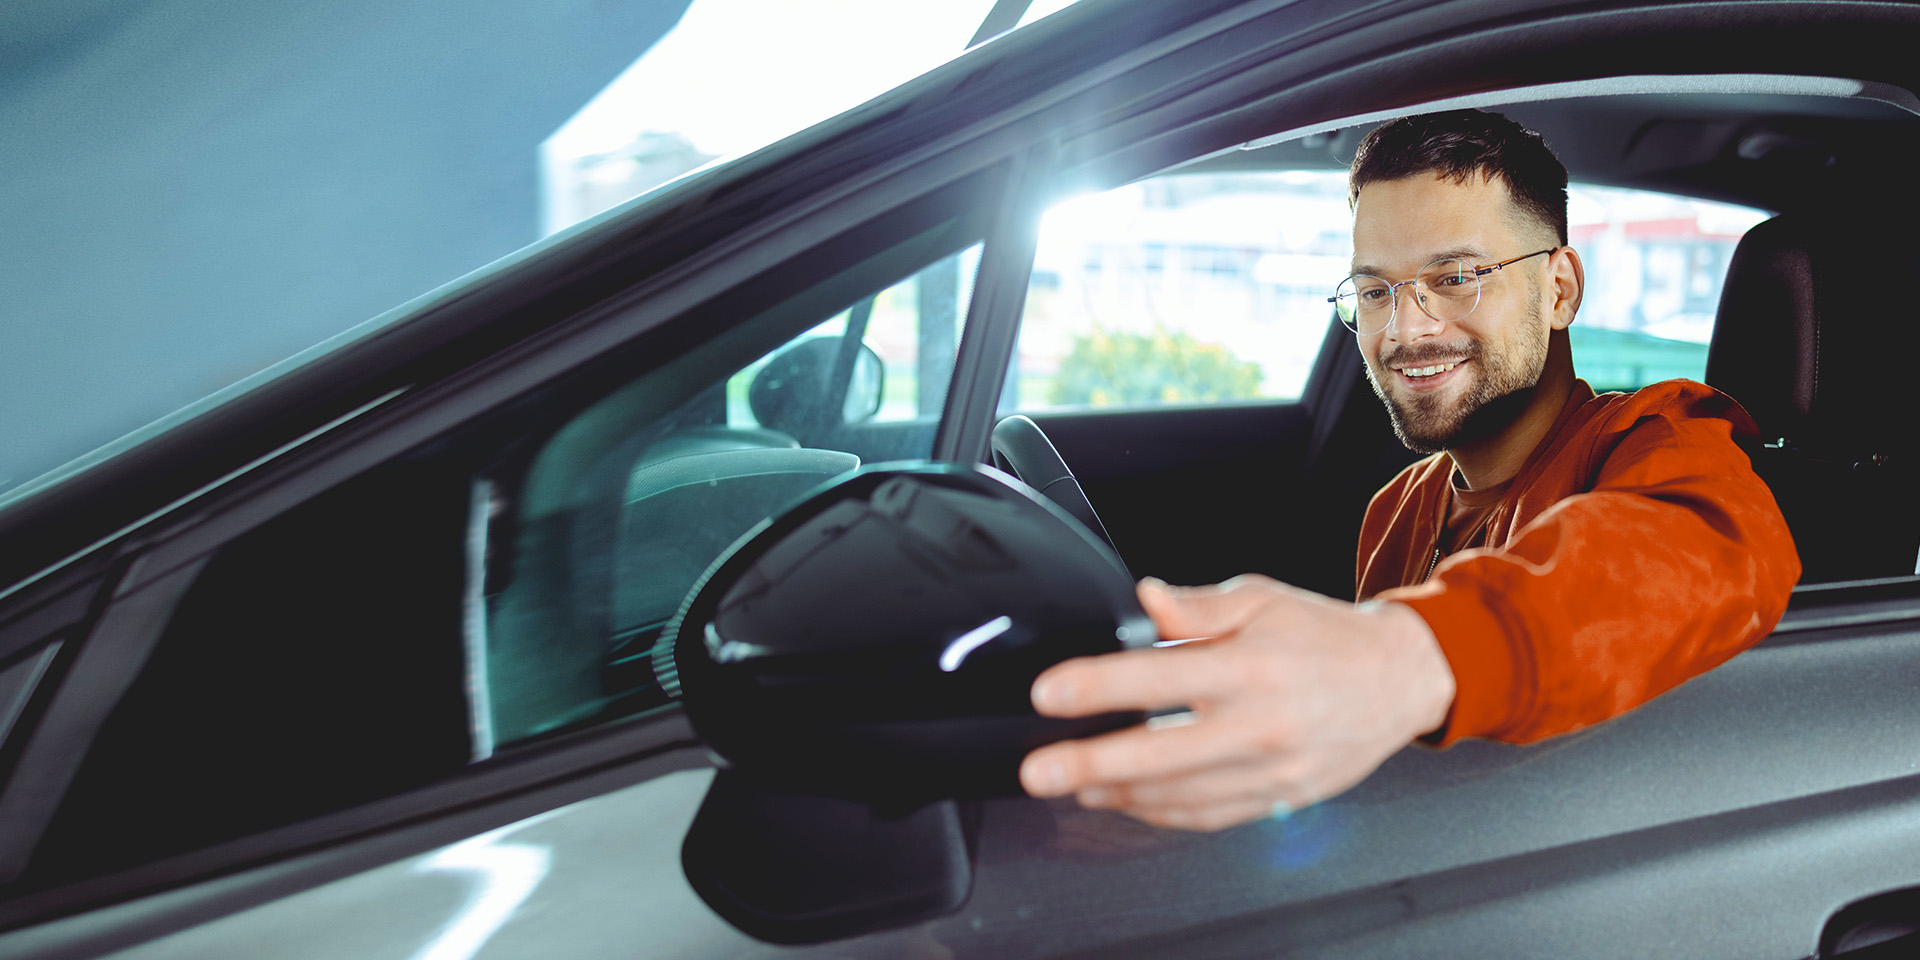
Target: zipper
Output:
[(1439, 531)]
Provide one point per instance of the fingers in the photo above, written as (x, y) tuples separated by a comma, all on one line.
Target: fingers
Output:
[(1136, 680), (1297, 698), (1135, 753), (1141, 680), (1184, 612), (1173, 677)]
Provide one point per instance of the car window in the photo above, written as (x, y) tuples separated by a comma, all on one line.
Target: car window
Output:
[(627, 504), (1182, 289), (449, 171), (1211, 287), (912, 327), (1655, 263), (508, 580)]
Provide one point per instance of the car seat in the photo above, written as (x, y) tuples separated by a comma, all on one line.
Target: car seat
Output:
[(1806, 342)]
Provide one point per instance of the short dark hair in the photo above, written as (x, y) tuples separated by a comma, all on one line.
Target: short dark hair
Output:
[(1459, 143)]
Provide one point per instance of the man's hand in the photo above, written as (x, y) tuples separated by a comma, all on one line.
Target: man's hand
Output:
[(1294, 698)]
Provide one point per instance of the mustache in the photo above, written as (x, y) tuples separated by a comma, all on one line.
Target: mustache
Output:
[(1424, 354)]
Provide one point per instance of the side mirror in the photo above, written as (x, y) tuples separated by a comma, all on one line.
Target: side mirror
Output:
[(818, 384), (862, 662), (866, 385)]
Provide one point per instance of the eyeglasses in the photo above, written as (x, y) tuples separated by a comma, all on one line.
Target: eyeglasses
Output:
[(1446, 290)]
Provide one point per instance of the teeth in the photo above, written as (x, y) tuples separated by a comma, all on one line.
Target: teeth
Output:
[(1429, 371)]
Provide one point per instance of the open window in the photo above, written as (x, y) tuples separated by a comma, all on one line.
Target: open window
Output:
[(1198, 288)]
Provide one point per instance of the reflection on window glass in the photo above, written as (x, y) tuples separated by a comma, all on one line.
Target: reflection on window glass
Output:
[(1192, 288), (736, 75), (627, 503)]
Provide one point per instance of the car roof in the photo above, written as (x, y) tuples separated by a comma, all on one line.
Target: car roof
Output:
[(1707, 145)]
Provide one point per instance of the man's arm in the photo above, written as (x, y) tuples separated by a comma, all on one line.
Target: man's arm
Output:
[(1675, 561)]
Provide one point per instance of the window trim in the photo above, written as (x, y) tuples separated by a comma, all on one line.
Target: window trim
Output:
[(992, 327), (108, 659)]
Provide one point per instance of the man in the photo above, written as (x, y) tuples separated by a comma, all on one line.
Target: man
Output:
[(1558, 560)]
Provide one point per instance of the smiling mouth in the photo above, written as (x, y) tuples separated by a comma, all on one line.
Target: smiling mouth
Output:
[(1429, 371)]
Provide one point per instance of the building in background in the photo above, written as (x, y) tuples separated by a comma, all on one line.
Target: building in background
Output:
[(1204, 287)]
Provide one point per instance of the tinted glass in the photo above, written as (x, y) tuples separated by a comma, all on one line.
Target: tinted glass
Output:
[(506, 580), (588, 553)]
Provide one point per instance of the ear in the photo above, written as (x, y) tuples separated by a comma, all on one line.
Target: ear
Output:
[(1566, 284)]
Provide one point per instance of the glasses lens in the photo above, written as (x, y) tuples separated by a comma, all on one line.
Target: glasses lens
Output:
[(1449, 289), (1365, 304)]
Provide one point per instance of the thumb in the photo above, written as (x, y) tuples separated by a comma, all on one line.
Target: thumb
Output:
[(1186, 613)]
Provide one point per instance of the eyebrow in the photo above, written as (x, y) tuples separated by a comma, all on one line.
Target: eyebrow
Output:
[(1457, 253)]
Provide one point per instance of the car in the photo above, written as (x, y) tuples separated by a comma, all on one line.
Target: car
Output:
[(363, 662)]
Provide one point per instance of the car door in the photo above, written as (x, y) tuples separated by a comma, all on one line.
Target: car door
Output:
[(432, 617), (1733, 817), (1613, 867)]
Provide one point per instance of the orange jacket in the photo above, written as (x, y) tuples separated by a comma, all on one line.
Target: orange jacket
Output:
[(1634, 550)]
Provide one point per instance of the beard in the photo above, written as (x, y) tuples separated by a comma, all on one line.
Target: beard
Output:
[(1500, 390)]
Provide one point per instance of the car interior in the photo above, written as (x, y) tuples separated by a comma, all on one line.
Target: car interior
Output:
[(508, 584), (1795, 352), (1819, 160)]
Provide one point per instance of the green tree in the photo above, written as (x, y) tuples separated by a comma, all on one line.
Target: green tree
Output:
[(1133, 369)]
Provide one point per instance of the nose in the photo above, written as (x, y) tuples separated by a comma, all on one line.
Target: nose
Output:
[(1411, 321)]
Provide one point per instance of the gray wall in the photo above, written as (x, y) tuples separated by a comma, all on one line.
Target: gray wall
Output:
[(191, 190)]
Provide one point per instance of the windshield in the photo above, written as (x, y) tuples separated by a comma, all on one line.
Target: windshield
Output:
[(193, 200)]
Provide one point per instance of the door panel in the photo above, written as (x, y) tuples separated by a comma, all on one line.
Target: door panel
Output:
[(1729, 818)]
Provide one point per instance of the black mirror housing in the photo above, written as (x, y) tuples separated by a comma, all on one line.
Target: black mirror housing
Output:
[(859, 665), (878, 641)]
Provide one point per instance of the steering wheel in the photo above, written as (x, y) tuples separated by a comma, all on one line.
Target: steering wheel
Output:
[(1022, 449)]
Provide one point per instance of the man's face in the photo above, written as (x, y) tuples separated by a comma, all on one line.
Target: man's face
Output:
[(1498, 351)]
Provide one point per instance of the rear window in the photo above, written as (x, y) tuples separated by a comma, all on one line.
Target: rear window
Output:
[(1655, 264), (1212, 287)]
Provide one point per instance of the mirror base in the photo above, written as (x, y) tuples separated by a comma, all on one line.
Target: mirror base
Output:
[(795, 868)]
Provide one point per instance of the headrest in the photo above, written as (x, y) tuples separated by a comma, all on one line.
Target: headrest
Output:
[(1817, 315)]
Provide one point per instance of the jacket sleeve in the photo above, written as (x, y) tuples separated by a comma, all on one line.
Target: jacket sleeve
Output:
[(1675, 560)]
